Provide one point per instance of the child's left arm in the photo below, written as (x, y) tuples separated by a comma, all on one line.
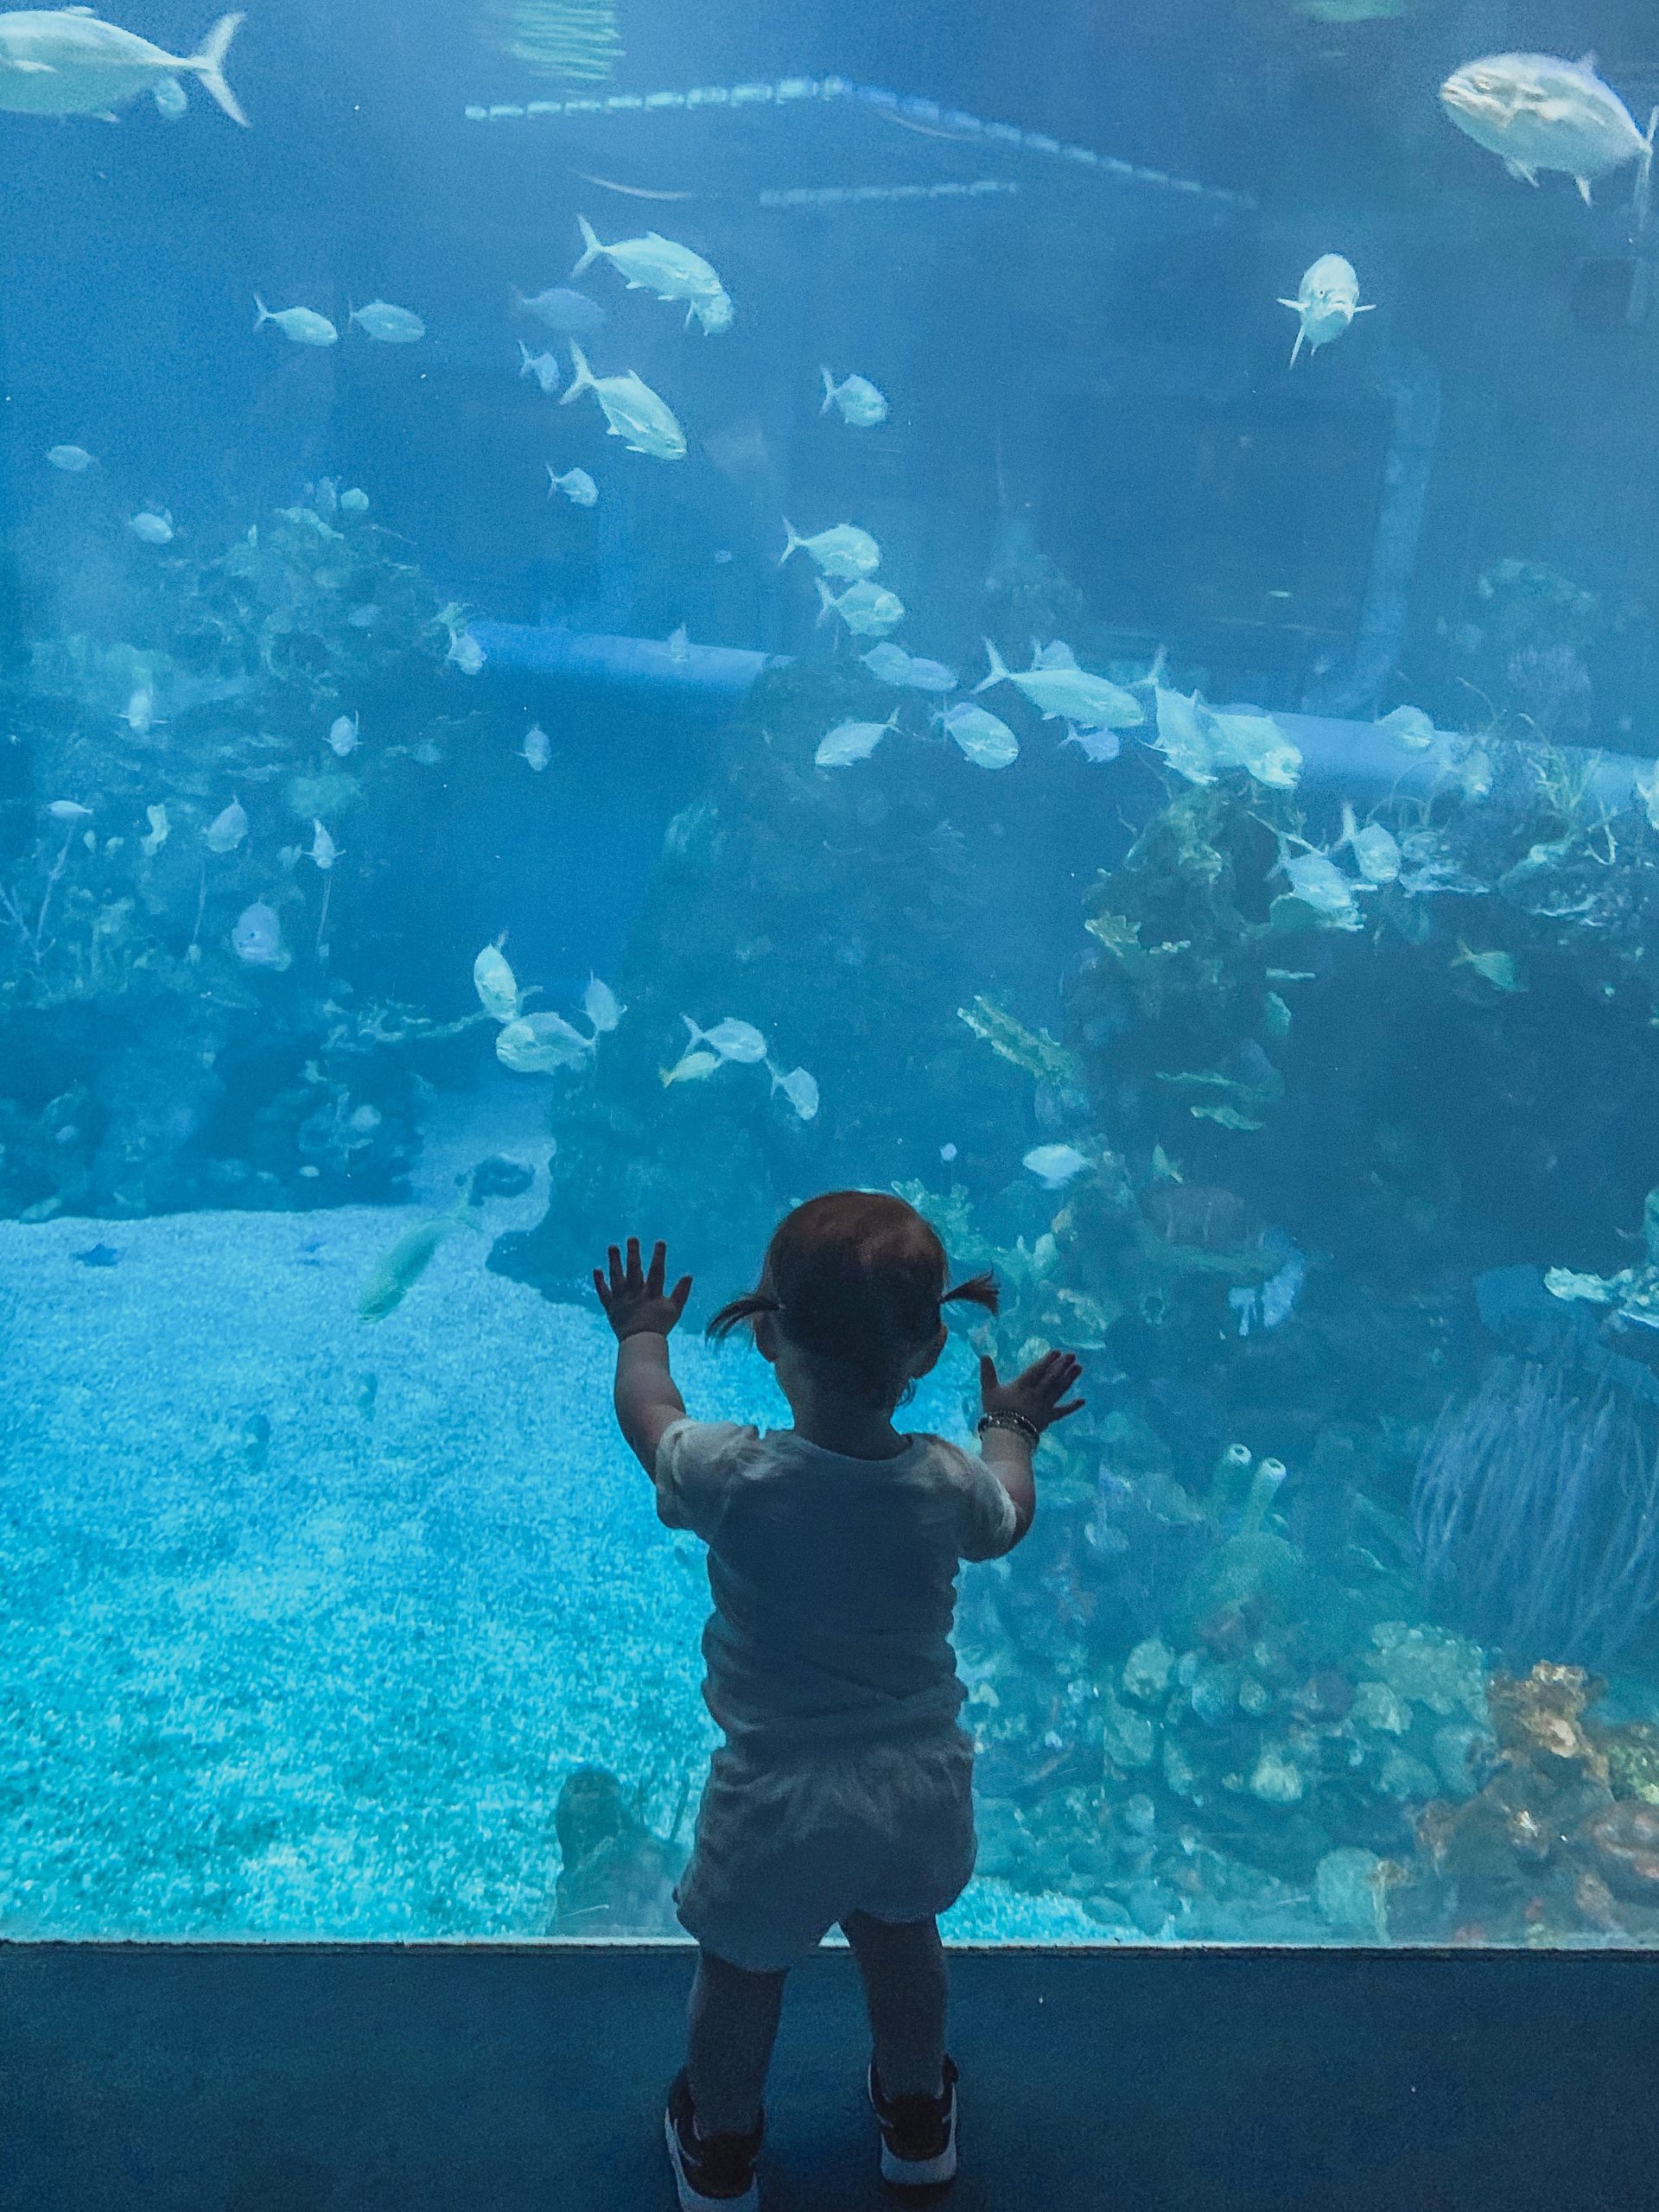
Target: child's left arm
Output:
[(643, 1313)]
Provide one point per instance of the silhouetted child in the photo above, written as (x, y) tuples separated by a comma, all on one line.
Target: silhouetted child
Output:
[(842, 1791)]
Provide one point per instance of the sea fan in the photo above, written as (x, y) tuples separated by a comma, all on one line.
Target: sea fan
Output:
[(576, 41)]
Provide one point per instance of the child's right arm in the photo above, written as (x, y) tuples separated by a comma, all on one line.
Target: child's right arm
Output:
[(1029, 1404)]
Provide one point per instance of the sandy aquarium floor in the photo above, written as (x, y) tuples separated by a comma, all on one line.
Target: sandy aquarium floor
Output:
[(306, 1618)]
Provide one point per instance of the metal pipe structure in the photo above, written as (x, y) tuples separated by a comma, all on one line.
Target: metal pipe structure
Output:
[(1357, 759)]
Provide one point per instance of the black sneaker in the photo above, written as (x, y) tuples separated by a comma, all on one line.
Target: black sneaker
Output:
[(710, 2172), (919, 2134)]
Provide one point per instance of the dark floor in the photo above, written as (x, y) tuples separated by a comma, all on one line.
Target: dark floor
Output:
[(377, 2079)]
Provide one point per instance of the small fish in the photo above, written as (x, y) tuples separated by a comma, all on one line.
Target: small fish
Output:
[(391, 326), (599, 1003), (695, 1066), (890, 663), (300, 326), (927, 675), (537, 747), (731, 1038), (256, 939), (845, 552), (1095, 745), (139, 713), (1256, 744), (798, 1087), (1497, 969), (99, 1255), (987, 741), (1321, 886), (323, 850), (496, 985), (658, 265), (465, 653), (577, 486), (536, 1044), (947, 1153), (342, 734), (367, 617), (160, 830), (868, 609), (227, 829), (857, 399), (1409, 727), (71, 458), (68, 810), (1375, 851), (1055, 1165), (850, 741), (1060, 690), (354, 502), (634, 412), (1535, 111), (568, 314), (1326, 302), (395, 1273), (544, 367), (678, 643), (64, 62)]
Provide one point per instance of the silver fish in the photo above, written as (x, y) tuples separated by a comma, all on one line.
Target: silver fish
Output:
[(731, 1038), (856, 398), (64, 62), (845, 552), (391, 326), (1326, 302), (1535, 111), (656, 265), (987, 741), (850, 741), (544, 367), (302, 325), (868, 609), (577, 486), (633, 411), (1059, 689)]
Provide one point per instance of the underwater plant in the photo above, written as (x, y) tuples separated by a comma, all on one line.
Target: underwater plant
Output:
[(1536, 1512)]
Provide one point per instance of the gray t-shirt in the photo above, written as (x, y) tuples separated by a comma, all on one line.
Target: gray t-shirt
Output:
[(833, 1579)]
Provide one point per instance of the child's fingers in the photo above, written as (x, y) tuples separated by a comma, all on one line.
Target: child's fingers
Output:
[(986, 1373), (658, 1271), (603, 1288), (615, 1258), (1065, 1412), (636, 1278), (678, 1295)]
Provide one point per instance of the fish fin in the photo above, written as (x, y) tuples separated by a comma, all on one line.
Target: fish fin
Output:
[(1296, 350), (1295, 305), (829, 390), (591, 248), (1369, 308), (1520, 172), (999, 673), (795, 541), (1592, 62), (29, 68), (697, 1036), (209, 66), (1583, 183), (826, 600), (265, 314), (1057, 655), (1349, 826), (690, 316), (583, 380)]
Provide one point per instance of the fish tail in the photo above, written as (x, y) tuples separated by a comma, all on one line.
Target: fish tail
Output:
[(826, 600), (583, 380), (999, 669), (829, 390), (265, 314), (209, 66), (795, 541), (591, 248), (525, 359), (697, 1036)]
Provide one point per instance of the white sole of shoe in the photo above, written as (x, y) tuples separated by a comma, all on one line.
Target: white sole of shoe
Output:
[(692, 2198), (921, 2173)]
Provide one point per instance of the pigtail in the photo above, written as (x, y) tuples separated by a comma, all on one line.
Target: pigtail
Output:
[(978, 1290), (737, 1310)]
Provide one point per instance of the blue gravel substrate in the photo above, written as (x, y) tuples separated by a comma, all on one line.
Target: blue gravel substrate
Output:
[(308, 1618)]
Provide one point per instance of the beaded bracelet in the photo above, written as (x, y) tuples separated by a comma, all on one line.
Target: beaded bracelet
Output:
[(1005, 1417)]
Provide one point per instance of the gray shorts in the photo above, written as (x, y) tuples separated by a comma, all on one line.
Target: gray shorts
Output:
[(785, 1848)]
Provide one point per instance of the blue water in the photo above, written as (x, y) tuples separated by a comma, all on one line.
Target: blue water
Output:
[(1255, 974)]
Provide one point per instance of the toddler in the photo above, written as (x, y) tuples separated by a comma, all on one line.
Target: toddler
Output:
[(841, 1792)]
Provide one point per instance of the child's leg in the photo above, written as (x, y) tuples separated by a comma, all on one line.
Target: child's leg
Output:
[(731, 2026), (906, 1986)]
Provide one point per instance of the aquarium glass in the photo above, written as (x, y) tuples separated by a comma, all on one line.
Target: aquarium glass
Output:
[(614, 614)]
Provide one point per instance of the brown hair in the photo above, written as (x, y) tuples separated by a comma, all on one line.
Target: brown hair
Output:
[(855, 1278)]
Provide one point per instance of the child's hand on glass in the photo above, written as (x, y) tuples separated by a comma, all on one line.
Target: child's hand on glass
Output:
[(635, 1302), (1035, 1396)]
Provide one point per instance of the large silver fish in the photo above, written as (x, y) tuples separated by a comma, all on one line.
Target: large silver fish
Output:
[(1055, 686), (654, 264), (1535, 111), (632, 411), (64, 62)]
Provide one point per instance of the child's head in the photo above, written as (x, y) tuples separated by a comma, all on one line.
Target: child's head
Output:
[(852, 1286)]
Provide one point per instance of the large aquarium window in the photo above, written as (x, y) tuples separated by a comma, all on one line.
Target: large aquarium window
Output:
[(614, 615)]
